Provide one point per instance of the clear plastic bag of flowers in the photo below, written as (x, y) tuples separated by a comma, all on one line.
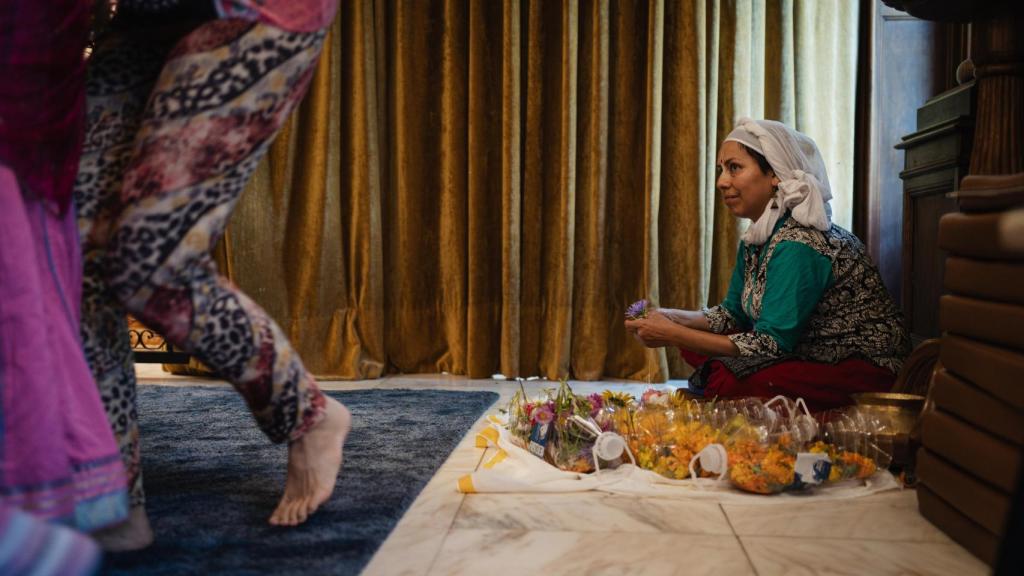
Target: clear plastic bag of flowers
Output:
[(530, 421), (571, 442), (582, 446), (665, 435), (519, 421), (717, 412), (788, 416), (774, 452), (800, 450), (613, 411), (858, 442), (564, 427), (761, 462)]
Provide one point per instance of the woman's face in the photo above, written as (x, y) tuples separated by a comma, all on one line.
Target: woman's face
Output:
[(746, 190)]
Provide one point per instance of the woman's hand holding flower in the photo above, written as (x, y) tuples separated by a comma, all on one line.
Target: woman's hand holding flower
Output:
[(654, 331)]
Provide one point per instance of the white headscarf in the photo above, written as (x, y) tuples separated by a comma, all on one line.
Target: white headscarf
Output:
[(803, 181)]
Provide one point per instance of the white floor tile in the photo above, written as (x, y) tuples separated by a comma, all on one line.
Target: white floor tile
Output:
[(589, 512), (792, 557), (495, 552), (889, 516)]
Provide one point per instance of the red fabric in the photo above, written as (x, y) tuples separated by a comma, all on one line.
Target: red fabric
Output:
[(822, 386), (42, 93)]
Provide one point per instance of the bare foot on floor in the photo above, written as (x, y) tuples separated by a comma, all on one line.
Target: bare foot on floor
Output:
[(132, 534), (313, 464)]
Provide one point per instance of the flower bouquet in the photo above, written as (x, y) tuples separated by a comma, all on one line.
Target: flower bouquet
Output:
[(572, 441), (802, 452), (562, 427), (664, 435), (518, 422)]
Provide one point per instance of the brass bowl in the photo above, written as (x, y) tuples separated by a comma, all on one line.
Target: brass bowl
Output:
[(900, 412), (909, 402)]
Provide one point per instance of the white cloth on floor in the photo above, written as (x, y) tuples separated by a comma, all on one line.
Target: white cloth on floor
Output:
[(511, 469)]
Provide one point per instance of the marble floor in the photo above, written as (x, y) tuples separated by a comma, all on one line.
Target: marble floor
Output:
[(445, 532)]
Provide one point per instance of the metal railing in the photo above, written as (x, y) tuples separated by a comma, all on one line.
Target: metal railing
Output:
[(151, 348)]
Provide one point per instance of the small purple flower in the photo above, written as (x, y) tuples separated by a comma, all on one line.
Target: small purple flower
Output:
[(596, 403), (637, 310)]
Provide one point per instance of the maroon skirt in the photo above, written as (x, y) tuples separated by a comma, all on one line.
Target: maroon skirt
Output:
[(822, 386)]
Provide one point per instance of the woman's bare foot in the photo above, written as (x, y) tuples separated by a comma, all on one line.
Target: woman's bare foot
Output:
[(313, 464), (132, 534)]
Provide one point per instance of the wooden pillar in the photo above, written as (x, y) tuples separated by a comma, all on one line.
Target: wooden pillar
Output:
[(997, 157)]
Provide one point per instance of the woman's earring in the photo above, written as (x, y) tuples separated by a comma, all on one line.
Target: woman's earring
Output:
[(775, 205)]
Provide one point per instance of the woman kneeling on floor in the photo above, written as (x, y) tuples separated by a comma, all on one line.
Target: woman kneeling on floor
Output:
[(806, 314)]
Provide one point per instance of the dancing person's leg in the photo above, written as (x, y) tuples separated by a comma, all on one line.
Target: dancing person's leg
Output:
[(224, 92), (122, 71)]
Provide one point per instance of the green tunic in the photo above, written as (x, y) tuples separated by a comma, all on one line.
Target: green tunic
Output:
[(796, 278)]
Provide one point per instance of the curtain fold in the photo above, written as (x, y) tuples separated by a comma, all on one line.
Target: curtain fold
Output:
[(476, 187)]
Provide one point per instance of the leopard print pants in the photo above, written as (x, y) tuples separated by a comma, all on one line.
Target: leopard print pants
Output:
[(175, 130)]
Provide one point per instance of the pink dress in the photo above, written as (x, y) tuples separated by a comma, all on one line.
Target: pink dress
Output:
[(58, 458), (57, 453)]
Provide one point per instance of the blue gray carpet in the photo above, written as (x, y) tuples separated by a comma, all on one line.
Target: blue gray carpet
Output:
[(212, 480)]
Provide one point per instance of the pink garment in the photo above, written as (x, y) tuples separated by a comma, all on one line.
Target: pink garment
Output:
[(58, 459), (30, 546), (42, 93), (290, 15)]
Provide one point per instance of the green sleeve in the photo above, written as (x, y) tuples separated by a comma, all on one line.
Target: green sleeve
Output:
[(795, 280), (733, 303)]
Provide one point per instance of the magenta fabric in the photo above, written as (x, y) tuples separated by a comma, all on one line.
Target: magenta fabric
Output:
[(290, 15), (58, 458), (30, 546), (42, 93)]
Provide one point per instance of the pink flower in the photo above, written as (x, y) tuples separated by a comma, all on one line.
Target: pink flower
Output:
[(654, 397), (542, 415)]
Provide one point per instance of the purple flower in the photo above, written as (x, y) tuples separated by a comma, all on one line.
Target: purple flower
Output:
[(596, 403), (637, 310)]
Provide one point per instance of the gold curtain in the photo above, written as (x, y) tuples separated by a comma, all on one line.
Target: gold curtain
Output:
[(476, 187)]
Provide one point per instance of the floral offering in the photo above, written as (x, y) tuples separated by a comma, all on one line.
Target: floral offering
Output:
[(767, 452), (570, 446), (845, 464), (662, 439), (761, 468), (770, 468), (525, 414), (546, 425)]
